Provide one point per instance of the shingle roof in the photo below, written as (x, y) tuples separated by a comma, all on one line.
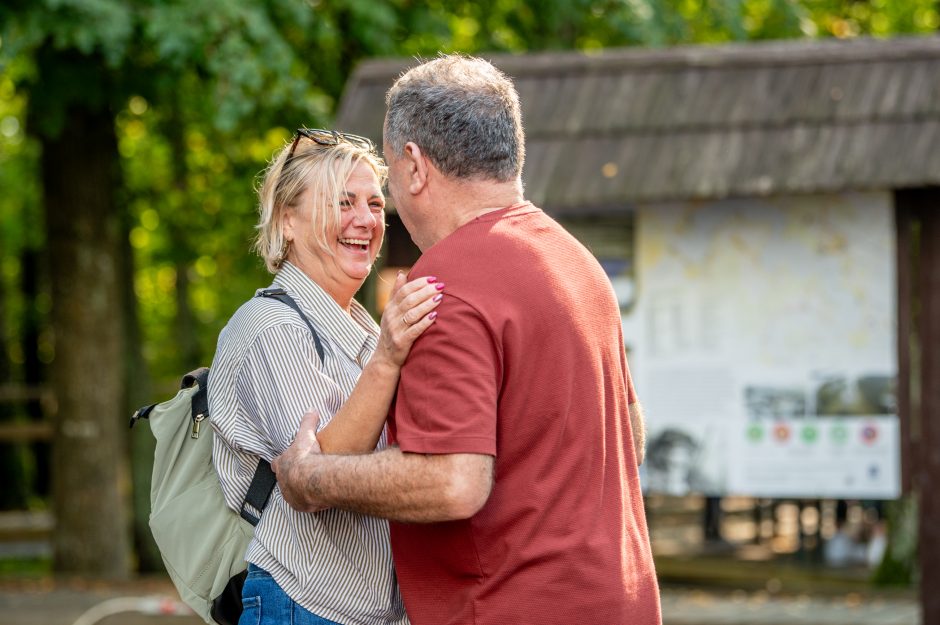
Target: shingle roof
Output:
[(623, 126)]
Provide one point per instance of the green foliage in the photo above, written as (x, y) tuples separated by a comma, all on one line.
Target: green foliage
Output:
[(899, 564), (20, 211), (204, 92)]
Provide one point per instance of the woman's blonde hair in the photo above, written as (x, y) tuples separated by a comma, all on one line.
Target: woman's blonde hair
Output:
[(323, 168)]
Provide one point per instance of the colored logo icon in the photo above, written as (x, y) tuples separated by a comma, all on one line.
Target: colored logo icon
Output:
[(809, 434), (839, 434), (781, 432), (755, 433), (869, 434)]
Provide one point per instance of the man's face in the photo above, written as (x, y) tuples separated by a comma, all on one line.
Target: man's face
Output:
[(397, 184)]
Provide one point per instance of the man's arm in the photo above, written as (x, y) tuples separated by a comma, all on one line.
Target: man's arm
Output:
[(390, 484), (638, 427)]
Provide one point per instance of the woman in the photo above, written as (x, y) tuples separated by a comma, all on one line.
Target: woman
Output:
[(321, 227)]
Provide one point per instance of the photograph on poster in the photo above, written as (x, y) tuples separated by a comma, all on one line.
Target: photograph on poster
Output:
[(856, 395), (774, 403), (677, 463)]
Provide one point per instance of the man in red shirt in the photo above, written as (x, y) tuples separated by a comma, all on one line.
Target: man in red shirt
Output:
[(513, 485)]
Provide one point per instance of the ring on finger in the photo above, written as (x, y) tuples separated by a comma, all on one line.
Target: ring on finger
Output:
[(404, 320)]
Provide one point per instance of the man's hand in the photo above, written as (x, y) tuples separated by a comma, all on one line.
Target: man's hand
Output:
[(294, 467)]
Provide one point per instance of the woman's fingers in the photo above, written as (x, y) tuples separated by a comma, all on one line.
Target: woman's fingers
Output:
[(414, 294), (417, 306), (400, 280), (414, 286), (422, 324), (410, 311)]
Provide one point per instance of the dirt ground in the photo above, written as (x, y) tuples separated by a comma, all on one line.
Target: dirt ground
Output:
[(48, 602)]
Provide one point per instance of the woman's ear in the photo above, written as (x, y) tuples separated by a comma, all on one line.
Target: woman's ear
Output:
[(288, 224)]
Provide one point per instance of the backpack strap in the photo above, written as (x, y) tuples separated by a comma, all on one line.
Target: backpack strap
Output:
[(200, 401), (262, 483), (282, 296), (199, 376)]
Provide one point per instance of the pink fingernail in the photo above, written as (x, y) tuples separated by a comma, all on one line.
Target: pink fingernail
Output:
[(433, 315), (439, 286), (432, 279), (437, 297)]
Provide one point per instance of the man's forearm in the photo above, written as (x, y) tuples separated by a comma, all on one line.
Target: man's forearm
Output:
[(391, 484)]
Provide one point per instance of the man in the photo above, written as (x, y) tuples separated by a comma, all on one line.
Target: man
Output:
[(513, 486)]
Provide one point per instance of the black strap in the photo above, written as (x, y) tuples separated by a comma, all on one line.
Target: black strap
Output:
[(201, 399), (282, 296), (142, 413), (262, 483)]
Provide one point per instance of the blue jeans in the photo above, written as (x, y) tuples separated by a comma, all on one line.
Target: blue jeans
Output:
[(265, 603)]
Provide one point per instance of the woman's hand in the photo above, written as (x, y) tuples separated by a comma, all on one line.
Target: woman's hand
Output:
[(410, 311), (357, 426)]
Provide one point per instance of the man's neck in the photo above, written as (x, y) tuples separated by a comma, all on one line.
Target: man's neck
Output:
[(458, 202)]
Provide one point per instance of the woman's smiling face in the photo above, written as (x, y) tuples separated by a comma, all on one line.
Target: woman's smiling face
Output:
[(355, 243)]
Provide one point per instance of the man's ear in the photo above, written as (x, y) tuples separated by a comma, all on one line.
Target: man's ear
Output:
[(418, 165)]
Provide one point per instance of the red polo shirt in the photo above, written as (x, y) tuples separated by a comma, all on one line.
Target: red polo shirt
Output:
[(525, 363)]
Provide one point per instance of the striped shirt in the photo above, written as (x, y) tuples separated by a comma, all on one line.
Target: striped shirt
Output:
[(266, 374)]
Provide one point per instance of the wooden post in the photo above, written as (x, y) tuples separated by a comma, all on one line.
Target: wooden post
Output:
[(929, 482), (918, 223), (905, 264)]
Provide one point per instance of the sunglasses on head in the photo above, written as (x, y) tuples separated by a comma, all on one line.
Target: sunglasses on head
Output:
[(329, 138)]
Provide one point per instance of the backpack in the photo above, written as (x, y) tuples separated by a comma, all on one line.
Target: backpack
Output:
[(201, 540)]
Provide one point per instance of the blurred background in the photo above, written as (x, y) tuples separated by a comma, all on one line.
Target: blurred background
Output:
[(758, 178)]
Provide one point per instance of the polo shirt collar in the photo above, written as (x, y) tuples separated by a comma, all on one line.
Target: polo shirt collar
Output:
[(354, 333)]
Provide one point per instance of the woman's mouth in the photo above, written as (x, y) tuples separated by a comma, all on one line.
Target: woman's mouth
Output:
[(360, 245)]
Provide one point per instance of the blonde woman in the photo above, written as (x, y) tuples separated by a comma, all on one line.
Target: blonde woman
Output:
[(321, 226)]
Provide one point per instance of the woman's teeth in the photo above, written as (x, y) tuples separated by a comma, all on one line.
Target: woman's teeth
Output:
[(363, 244)]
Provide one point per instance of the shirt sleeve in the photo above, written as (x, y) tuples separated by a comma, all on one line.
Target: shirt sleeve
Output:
[(447, 395), (280, 380)]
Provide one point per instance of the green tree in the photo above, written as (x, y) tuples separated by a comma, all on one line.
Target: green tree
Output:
[(88, 57)]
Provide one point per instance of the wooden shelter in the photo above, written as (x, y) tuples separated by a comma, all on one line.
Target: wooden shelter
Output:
[(711, 122), (609, 133)]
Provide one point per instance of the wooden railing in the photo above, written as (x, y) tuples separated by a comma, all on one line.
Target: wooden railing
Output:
[(27, 431)]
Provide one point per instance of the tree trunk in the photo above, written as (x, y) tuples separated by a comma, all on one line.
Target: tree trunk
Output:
[(79, 178)]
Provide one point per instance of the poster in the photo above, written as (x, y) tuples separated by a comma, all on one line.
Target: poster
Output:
[(761, 315)]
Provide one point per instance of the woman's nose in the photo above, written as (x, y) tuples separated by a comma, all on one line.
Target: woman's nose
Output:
[(363, 216)]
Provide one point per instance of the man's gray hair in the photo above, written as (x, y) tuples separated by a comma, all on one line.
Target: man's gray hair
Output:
[(464, 115)]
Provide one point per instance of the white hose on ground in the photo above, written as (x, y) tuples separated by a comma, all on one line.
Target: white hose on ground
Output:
[(157, 605)]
